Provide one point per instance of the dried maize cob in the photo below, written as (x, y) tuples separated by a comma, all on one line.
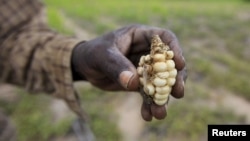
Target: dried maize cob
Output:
[(157, 71)]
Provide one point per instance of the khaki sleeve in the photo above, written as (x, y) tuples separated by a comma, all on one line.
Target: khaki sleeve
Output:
[(37, 58)]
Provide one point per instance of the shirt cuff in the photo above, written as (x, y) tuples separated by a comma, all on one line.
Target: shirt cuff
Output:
[(62, 77)]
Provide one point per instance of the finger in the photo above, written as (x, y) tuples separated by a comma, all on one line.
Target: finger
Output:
[(146, 112), (169, 38), (106, 84), (129, 80), (118, 68), (159, 112), (178, 88)]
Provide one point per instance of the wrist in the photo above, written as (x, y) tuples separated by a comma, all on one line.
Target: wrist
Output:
[(77, 75)]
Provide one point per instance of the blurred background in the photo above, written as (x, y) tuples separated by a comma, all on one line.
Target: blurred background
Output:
[(215, 37)]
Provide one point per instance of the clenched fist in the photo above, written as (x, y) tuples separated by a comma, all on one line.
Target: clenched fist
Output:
[(109, 62)]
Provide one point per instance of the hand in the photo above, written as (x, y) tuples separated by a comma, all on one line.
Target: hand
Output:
[(109, 62)]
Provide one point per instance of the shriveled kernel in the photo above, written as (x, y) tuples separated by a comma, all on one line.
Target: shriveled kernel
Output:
[(159, 57), (162, 75), (173, 73), (170, 54), (141, 80), (170, 64), (147, 58), (149, 89), (171, 81), (163, 90), (140, 70), (160, 96), (160, 67), (160, 102), (158, 82), (141, 62)]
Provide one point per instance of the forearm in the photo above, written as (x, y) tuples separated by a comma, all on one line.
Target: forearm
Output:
[(37, 58), (32, 55)]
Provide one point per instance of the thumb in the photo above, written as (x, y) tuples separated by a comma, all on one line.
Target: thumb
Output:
[(118, 68), (129, 80)]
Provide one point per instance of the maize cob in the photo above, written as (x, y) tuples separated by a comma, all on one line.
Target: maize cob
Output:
[(157, 72)]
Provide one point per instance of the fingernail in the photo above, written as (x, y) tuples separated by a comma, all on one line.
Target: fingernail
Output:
[(183, 83), (183, 58), (125, 78)]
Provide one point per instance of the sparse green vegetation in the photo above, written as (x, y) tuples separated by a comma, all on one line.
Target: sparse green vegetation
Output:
[(55, 20), (33, 119), (191, 123), (215, 39), (98, 104)]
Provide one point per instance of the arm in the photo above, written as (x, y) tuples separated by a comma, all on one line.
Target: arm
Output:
[(32, 55), (35, 57)]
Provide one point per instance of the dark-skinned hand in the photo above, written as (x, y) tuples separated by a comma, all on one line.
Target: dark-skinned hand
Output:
[(109, 62)]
